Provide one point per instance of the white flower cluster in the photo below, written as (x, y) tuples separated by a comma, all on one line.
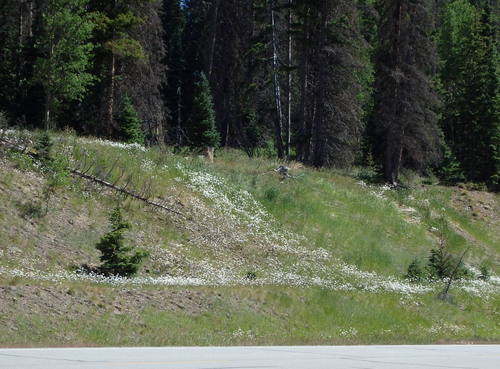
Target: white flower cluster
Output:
[(240, 333), (235, 217), (444, 327), (120, 145), (348, 333)]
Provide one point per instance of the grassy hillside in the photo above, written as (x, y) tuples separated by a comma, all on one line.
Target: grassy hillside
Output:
[(243, 257)]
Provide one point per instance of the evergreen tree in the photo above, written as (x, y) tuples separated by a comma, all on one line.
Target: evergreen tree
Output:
[(203, 130), (174, 23), (65, 53), (129, 36), (115, 255), (129, 122), (330, 108), (404, 121), (470, 89)]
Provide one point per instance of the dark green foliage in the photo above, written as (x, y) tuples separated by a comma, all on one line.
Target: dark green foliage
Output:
[(43, 147), (204, 132), (470, 88), (442, 265), (31, 210), (415, 272), (287, 78), (65, 53), (252, 135), (251, 275), (174, 23), (116, 257), (404, 126), (129, 122), (331, 73), (485, 272), (450, 172)]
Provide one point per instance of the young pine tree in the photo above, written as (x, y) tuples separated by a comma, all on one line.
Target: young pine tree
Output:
[(116, 257), (203, 130), (129, 122)]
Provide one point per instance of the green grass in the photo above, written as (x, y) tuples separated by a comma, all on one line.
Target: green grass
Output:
[(375, 230), (274, 316)]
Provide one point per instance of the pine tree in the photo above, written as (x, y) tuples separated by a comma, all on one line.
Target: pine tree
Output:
[(120, 53), (330, 108), (203, 129), (115, 255), (129, 122), (470, 89), (174, 23), (404, 122)]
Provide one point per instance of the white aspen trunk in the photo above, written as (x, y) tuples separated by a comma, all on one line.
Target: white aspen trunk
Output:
[(48, 99), (48, 95)]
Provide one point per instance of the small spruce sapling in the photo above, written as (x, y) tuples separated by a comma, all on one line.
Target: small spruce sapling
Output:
[(415, 272), (43, 147), (485, 272), (130, 123), (116, 257), (204, 131)]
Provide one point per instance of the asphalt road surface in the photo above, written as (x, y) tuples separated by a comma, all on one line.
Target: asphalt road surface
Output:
[(318, 357)]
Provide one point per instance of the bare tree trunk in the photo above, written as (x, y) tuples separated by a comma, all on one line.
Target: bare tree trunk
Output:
[(289, 86), (277, 89), (110, 98), (178, 138), (48, 99), (304, 71), (395, 136), (213, 38), (393, 158), (22, 4)]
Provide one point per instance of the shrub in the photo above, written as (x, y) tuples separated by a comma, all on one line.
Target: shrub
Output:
[(251, 275), (30, 210), (485, 272), (116, 257), (415, 272), (21, 161)]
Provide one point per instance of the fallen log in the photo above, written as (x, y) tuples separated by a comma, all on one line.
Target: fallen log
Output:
[(129, 193)]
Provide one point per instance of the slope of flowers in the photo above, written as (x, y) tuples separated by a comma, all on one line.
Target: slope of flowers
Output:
[(241, 243)]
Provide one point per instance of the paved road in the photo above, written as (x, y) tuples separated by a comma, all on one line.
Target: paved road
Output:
[(341, 357)]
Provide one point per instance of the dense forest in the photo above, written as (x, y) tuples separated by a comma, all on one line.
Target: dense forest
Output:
[(393, 84)]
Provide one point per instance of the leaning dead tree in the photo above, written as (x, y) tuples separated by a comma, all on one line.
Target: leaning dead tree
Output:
[(99, 177), (95, 174), (124, 191)]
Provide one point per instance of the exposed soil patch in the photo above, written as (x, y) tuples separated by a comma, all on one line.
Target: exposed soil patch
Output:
[(74, 302), (481, 205)]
